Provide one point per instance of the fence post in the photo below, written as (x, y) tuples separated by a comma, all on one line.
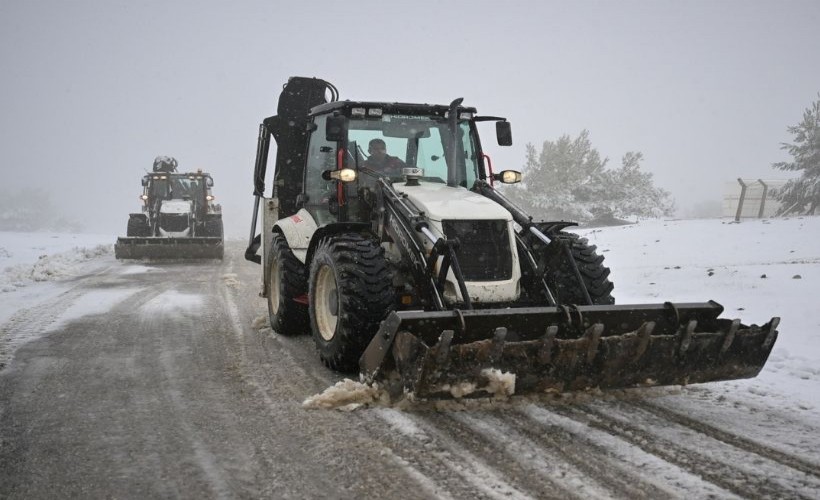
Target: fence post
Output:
[(762, 199), (740, 200)]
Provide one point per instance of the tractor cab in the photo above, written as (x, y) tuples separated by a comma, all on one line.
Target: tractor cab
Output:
[(372, 140)]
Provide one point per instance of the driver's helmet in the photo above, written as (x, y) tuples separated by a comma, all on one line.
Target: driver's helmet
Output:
[(165, 164)]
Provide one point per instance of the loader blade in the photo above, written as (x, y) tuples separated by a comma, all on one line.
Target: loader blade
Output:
[(431, 354), (168, 248)]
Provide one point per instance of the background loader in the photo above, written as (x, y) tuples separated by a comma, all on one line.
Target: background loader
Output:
[(179, 219), (432, 282)]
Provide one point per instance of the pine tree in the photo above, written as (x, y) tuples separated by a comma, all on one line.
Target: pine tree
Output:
[(802, 195)]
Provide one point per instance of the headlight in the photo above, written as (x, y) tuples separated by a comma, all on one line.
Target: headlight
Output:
[(344, 175), (144, 197), (209, 197)]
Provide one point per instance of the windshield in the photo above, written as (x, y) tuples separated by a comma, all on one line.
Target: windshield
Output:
[(177, 187), (414, 141), (186, 188)]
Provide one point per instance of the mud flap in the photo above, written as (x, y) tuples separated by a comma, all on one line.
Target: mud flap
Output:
[(168, 248), (565, 348)]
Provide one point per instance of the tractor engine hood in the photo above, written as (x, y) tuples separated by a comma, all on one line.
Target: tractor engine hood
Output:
[(175, 207), (442, 202)]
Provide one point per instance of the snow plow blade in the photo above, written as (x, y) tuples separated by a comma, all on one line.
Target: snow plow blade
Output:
[(437, 354), (168, 248)]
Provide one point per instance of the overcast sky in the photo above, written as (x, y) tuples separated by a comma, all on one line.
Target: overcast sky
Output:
[(92, 91)]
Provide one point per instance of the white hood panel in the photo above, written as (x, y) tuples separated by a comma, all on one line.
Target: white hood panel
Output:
[(175, 207), (441, 202)]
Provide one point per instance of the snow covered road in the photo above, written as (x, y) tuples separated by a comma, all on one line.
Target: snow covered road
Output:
[(140, 381)]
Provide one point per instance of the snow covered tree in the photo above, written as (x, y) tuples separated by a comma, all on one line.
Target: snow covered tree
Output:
[(802, 195), (631, 192), (569, 180)]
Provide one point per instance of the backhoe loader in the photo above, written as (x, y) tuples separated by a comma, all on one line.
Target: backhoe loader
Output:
[(428, 278)]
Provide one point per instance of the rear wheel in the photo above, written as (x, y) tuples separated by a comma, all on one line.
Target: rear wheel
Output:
[(351, 291), (286, 284)]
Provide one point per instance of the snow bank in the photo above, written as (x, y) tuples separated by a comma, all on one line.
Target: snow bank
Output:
[(34, 257)]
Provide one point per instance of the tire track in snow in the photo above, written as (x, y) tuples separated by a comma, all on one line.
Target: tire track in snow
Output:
[(440, 452), (574, 470), (734, 469), (298, 377), (651, 464), (32, 323), (743, 443), (761, 423)]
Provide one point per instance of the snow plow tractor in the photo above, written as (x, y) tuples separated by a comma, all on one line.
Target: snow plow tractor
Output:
[(385, 238), (179, 219)]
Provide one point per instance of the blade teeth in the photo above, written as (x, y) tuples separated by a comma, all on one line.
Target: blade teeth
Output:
[(593, 336), (497, 348), (730, 336), (686, 335), (545, 351), (644, 333), (442, 347), (772, 333)]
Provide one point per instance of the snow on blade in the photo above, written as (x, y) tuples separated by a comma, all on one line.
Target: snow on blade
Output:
[(499, 384)]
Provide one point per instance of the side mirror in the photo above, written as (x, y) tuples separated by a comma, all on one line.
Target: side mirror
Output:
[(145, 181), (336, 128), (503, 133)]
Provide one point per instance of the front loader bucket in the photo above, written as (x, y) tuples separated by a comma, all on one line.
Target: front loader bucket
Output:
[(447, 353), (168, 248)]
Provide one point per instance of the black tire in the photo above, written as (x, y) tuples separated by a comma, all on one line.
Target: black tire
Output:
[(213, 227), (351, 292), (286, 282), (137, 227), (593, 272)]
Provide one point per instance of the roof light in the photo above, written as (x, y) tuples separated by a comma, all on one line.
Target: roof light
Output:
[(374, 111), (357, 112), (466, 116)]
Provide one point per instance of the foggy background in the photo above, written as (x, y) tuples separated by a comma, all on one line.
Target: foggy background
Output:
[(92, 91)]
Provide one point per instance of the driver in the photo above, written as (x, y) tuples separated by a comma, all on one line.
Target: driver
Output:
[(382, 162)]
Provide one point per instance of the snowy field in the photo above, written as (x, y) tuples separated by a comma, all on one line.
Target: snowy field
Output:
[(756, 269)]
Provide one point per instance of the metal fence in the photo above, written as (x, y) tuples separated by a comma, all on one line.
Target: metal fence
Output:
[(750, 198)]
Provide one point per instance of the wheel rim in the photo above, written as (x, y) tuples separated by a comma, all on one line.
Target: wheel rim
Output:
[(326, 307), (273, 293)]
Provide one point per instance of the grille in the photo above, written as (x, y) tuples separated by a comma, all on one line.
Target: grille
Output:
[(484, 250), (173, 222)]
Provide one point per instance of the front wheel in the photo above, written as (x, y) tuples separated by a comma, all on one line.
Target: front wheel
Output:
[(351, 291), (594, 274), (287, 286), (138, 226)]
